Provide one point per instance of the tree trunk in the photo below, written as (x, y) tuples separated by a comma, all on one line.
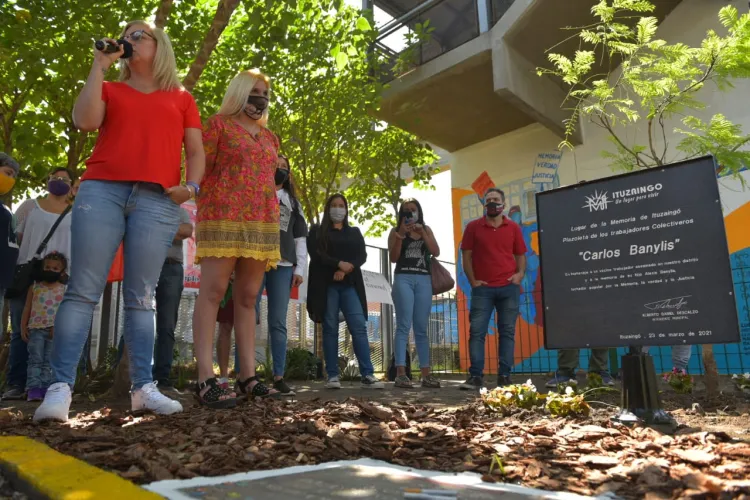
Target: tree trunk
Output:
[(121, 385), (221, 19), (162, 13), (712, 373)]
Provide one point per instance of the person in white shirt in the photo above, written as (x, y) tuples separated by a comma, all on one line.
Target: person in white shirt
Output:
[(289, 272)]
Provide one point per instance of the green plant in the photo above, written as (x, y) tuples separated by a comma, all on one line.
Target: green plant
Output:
[(679, 380), (505, 399), (656, 82), (415, 39), (497, 462), (350, 373), (301, 364), (567, 403), (742, 381), (594, 380)]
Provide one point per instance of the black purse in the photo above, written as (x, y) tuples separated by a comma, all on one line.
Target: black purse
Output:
[(24, 274)]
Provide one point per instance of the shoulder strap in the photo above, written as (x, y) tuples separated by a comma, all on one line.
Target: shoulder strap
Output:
[(52, 230)]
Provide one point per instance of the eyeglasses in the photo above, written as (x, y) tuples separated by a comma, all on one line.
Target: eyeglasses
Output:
[(138, 34), (58, 178)]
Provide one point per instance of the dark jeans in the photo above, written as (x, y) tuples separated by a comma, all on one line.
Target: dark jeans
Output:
[(567, 361), (484, 301), (19, 351), (168, 295)]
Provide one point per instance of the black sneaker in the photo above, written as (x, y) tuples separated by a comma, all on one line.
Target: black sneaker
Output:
[(284, 389), (472, 384), (503, 380)]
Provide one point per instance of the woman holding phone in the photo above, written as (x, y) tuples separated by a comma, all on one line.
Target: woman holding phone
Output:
[(411, 245)]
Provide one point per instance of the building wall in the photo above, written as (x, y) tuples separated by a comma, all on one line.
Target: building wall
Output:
[(509, 161)]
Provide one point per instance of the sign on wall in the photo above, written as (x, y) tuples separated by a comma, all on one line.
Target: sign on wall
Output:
[(545, 167), (637, 259)]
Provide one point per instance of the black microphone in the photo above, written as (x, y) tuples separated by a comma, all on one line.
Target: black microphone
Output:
[(110, 48)]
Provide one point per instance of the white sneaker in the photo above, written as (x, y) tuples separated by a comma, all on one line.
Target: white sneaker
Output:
[(148, 397), (333, 383), (370, 382), (56, 404)]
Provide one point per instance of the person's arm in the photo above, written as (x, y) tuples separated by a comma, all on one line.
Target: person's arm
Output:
[(431, 242), (300, 236), (195, 156), (467, 249), (396, 240), (27, 314), (90, 108), (185, 229), (316, 256), (520, 265), (519, 252)]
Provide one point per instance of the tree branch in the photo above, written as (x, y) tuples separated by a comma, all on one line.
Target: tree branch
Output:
[(162, 13), (607, 125)]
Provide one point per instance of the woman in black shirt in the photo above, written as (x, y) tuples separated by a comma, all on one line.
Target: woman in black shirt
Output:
[(411, 245), (337, 253)]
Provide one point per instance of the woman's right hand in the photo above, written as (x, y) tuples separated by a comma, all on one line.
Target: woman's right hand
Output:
[(403, 228), (103, 59), (338, 276), (346, 267), (25, 333)]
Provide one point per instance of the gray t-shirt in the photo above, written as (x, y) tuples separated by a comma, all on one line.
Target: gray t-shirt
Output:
[(175, 252)]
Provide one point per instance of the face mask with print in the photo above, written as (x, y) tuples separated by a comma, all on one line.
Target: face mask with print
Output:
[(338, 214), (494, 209), (6, 184), (260, 103)]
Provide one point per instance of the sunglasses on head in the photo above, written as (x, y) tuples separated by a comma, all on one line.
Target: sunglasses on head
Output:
[(138, 34)]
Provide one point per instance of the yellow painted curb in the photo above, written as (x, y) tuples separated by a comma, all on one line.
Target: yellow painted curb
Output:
[(62, 477)]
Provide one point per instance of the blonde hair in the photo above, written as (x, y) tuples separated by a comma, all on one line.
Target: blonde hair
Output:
[(239, 89), (164, 66)]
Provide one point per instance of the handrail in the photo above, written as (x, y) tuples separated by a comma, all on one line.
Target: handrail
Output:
[(397, 23)]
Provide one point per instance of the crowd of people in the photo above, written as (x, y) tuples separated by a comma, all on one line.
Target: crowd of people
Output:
[(251, 235)]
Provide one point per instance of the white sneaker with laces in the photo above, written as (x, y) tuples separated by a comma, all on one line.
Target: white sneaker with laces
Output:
[(148, 397), (333, 383), (56, 404), (370, 382)]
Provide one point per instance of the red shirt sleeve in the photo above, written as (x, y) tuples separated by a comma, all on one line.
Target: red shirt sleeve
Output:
[(192, 117), (519, 246), (105, 91), (467, 243)]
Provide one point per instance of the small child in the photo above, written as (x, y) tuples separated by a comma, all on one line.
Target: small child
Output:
[(38, 322)]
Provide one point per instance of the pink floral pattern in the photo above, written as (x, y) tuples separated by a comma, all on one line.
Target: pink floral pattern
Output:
[(45, 300)]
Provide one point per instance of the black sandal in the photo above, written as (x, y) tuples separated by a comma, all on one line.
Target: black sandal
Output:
[(259, 390), (213, 396)]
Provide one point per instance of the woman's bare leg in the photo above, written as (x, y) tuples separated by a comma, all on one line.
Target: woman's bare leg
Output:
[(223, 346), (247, 279)]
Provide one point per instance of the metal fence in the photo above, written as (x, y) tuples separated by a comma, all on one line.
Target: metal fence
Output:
[(448, 330)]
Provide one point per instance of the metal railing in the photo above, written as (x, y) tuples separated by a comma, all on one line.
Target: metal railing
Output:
[(448, 330)]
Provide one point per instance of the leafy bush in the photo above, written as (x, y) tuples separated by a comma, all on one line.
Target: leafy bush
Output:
[(742, 381), (301, 364), (504, 399), (568, 403), (679, 380)]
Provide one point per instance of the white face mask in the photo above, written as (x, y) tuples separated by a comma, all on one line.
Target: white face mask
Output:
[(338, 214)]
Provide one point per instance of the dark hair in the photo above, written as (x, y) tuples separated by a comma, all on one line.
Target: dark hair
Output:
[(59, 258), (288, 185), (326, 223), (495, 190), (7, 160), (420, 219), (63, 169)]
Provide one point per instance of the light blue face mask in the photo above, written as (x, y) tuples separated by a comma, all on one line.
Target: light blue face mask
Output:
[(338, 214)]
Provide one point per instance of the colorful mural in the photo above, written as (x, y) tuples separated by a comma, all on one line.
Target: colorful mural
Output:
[(530, 355)]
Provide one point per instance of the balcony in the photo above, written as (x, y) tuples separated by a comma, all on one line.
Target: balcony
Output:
[(474, 79)]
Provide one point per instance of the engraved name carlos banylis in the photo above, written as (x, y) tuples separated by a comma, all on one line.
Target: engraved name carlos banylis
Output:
[(675, 304)]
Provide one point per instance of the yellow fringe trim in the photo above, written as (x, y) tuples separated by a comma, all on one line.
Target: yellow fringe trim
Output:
[(228, 239)]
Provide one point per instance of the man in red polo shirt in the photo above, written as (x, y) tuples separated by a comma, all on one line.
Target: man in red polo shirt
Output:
[(494, 260)]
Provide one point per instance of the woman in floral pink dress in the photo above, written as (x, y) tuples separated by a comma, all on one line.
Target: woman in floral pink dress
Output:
[(237, 229)]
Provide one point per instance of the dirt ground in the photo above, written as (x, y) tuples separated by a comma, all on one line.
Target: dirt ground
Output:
[(445, 429)]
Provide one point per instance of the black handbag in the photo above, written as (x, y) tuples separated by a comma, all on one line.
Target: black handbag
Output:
[(24, 274)]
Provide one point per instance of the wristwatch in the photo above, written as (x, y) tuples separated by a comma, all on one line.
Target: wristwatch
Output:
[(196, 188)]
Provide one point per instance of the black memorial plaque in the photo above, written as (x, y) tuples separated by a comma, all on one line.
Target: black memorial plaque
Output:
[(637, 259)]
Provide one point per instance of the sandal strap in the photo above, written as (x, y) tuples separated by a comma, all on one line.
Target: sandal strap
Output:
[(260, 389), (213, 394), (242, 384)]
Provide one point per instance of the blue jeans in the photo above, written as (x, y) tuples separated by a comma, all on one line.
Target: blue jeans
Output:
[(19, 352), (278, 285), (484, 301), (412, 298), (168, 295), (40, 348), (345, 298), (105, 214), (680, 355)]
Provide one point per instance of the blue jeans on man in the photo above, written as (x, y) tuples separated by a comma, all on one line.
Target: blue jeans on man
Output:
[(484, 301), (145, 219), (168, 296), (344, 297)]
